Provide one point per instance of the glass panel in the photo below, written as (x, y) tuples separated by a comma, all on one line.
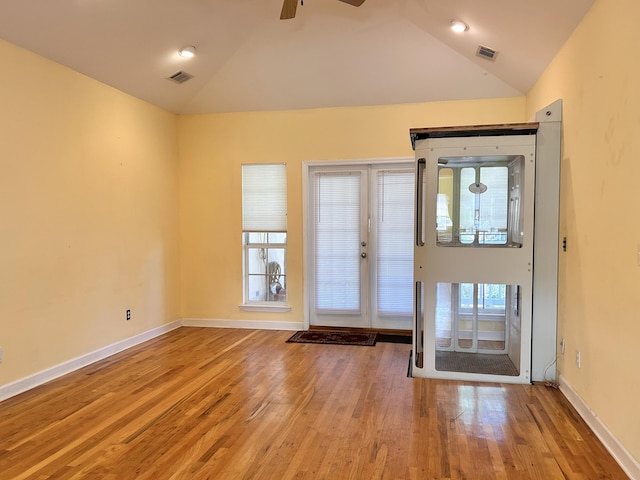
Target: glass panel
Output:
[(257, 288), (444, 224), (276, 274), (395, 242), (256, 261), (492, 298), (265, 267), (465, 323), (478, 201), (277, 237), (515, 210), (477, 328), (480, 315), (255, 237), (444, 317), (423, 206), (265, 238), (468, 219), (466, 297), (492, 206), (337, 241)]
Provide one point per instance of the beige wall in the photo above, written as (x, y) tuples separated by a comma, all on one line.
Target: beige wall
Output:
[(88, 215), (212, 148), (597, 74)]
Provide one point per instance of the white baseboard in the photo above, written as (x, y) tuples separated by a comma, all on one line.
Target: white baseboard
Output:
[(251, 324), (626, 461), (27, 383), (19, 386)]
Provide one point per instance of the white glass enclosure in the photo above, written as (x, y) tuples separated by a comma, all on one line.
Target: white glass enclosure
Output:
[(474, 257)]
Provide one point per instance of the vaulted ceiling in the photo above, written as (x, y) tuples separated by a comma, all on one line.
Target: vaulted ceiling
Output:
[(331, 54)]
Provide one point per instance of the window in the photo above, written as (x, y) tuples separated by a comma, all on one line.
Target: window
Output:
[(264, 234), (478, 201), (264, 262)]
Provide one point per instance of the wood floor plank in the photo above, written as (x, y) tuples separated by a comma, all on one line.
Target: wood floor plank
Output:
[(238, 404)]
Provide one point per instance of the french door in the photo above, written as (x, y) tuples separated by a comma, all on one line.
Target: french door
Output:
[(360, 245)]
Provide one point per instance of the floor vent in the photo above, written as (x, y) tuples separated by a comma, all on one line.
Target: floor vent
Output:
[(180, 77), (486, 52)]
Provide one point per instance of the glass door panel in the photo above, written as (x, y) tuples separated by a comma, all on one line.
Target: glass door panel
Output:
[(339, 274), (392, 248)]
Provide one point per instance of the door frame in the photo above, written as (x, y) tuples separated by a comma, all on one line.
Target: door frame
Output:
[(306, 167)]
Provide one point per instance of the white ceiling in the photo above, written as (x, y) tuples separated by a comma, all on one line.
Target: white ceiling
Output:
[(332, 54)]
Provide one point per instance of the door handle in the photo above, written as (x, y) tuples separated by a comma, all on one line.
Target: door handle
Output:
[(363, 254), (421, 164)]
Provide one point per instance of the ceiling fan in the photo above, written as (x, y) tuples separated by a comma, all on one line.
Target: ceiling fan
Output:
[(289, 7)]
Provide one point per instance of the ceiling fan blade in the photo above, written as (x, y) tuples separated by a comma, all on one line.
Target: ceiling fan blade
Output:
[(355, 3), (288, 9)]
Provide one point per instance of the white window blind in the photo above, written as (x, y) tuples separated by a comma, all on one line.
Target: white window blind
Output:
[(395, 190), (337, 223), (264, 198)]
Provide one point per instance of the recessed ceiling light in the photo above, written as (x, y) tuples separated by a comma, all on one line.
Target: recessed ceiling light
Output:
[(458, 26), (187, 51)]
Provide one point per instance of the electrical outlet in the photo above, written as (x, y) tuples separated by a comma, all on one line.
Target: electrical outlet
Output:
[(578, 359), (128, 314), (562, 344)]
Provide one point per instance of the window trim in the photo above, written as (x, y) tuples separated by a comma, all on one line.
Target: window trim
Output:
[(265, 307)]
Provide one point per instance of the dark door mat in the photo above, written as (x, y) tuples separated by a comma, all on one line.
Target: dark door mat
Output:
[(390, 338), (483, 363), (365, 339)]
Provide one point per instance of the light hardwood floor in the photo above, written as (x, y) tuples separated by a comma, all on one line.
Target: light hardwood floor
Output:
[(237, 404)]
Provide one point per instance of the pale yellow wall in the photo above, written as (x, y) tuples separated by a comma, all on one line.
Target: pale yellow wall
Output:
[(597, 74), (88, 215), (212, 148), (89, 205)]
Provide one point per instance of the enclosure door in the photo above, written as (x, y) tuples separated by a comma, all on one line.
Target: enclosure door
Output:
[(474, 254), (361, 246)]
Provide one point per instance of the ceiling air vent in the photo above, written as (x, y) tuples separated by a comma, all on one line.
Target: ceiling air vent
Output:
[(486, 53), (180, 77)]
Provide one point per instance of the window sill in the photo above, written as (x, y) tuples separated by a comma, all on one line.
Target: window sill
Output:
[(263, 307)]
